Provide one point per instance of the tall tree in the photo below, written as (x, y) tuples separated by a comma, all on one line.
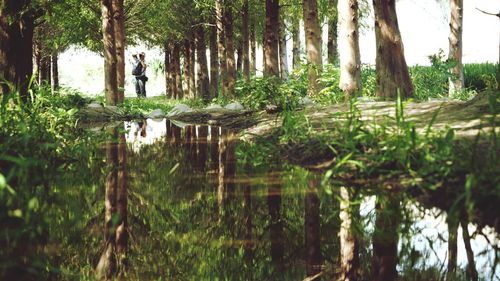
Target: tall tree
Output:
[(332, 32), (110, 73), (245, 41), (457, 82), (296, 43), (16, 45), (350, 57), (214, 56), (201, 55), (221, 37), (119, 29), (271, 39), (282, 48), (313, 43), (229, 32), (391, 68)]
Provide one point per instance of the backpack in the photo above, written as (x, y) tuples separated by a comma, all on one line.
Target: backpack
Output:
[(137, 69)]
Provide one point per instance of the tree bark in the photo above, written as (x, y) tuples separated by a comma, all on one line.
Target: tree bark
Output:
[(332, 32), (110, 73), (245, 41), (456, 81), (190, 90), (201, 54), (55, 70), (167, 71), (119, 29), (214, 59), (221, 39), (282, 50), (350, 57), (231, 62), (178, 76), (16, 46), (253, 48), (392, 71), (239, 60), (313, 44), (296, 43), (271, 39)]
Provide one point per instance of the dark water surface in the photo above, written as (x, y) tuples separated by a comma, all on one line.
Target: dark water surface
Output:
[(180, 202)]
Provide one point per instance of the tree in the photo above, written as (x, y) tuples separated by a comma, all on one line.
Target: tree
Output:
[(119, 29), (350, 57), (229, 34), (313, 43), (245, 41), (392, 71), (455, 53), (17, 23), (332, 32), (271, 36), (110, 68)]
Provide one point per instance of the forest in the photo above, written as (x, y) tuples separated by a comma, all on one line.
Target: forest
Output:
[(272, 151)]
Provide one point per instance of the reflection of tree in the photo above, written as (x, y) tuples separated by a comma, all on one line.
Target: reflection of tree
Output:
[(115, 201), (312, 229), (452, 221), (247, 214), (385, 238), (349, 238), (202, 147), (276, 227)]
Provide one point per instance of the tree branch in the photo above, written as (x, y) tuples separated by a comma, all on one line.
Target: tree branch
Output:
[(488, 13)]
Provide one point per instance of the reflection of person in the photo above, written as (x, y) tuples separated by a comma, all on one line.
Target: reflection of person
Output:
[(139, 71), (142, 128)]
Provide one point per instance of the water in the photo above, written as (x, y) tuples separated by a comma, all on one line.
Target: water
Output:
[(166, 201)]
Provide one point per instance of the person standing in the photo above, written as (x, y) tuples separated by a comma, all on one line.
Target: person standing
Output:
[(139, 71)]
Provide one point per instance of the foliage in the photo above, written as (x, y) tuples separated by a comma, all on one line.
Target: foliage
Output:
[(261, 92), (39, 140)]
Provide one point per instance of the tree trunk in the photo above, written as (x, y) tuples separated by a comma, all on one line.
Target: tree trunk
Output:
[(296, 43), (44, 68), (245, 42), (253, 49), (190, 90), (392, 71), (192, 68), (385, 239), (456, 82), (349, 242), (110, 73), (350, 57), (16, 46), (282, 50), (332, 32), (201, 54), (214, 59), (221, 39), (119, 29), (37, 53), (239, 60), (271, 39), (231, 63), (313, 44), (312, 229), (178, 76), (55, 71), (167, 71)]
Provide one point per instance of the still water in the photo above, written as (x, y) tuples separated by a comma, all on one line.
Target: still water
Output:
[(172, 201)]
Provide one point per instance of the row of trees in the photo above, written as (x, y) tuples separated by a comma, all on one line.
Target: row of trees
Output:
[(230, 30)]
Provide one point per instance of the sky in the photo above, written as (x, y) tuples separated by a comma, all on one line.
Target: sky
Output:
[(424, 26)]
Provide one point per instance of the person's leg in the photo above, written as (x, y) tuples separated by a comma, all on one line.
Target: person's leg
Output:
[(137, 87), (142, 85)]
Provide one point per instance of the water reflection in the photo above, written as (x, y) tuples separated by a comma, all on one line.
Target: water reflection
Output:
[(199, 212), (113, 257)]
